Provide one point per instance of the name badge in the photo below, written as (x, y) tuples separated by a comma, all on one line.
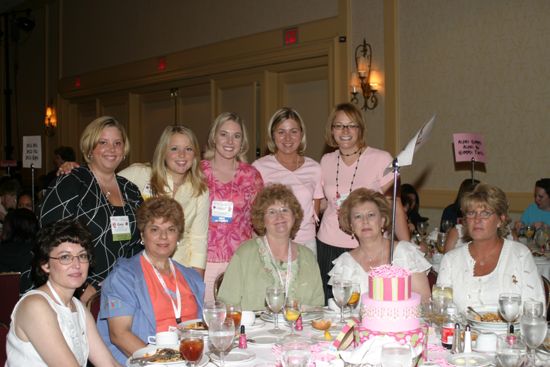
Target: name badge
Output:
[(120, 228), (222, 211), (341, 199)]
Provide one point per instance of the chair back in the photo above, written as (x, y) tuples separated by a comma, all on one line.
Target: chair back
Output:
[(546, 284), (94, 304), (9, 289), (3, 339), (217, 284)]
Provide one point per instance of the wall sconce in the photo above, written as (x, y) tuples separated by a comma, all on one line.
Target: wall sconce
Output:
[(50, 121), (360, 79)]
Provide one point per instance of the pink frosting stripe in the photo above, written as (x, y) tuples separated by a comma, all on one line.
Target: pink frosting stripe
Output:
[(387, 289), (389, 271)]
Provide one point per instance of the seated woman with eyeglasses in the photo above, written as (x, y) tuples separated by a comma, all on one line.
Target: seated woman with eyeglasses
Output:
[(489, 264), (49, 326)]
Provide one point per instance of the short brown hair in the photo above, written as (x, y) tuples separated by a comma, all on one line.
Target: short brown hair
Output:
[(283, 114), (354, 114), (270, 195), (489, 197), (92, 132), (360, 196), (160, 207)]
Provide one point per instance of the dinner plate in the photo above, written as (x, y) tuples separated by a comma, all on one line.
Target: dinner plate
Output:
[(258, 324), (264, 339), (306, 317), (469, 359), (151, 349), (236, 356), (498, 326), (184, 326)]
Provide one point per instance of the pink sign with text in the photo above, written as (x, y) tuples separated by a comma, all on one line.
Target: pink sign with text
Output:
[(469, 146)]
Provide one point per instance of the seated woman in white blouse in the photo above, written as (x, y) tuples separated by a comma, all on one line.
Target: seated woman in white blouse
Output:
[(365, 215), (489, 264)]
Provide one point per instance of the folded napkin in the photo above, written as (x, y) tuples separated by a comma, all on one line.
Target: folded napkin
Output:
[(368, 352)]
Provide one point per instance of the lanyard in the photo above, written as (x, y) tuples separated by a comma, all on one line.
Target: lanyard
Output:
[(55, 295), (177, 308), (288, 265)]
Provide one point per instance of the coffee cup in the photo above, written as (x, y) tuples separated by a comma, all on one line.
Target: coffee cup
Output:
[(164, 338), (248, 318), (486, 342)]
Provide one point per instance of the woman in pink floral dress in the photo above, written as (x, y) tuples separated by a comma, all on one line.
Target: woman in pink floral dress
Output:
[(233, 185)]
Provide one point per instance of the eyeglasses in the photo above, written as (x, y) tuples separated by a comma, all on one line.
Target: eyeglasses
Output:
[(484, 214), (272, 212), (339, 126), (68, 259)]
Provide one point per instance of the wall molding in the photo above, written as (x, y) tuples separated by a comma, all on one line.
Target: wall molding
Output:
[(439, 199)]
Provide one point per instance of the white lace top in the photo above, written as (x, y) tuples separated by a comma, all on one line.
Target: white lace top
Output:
[(73, 327), (406, 255)]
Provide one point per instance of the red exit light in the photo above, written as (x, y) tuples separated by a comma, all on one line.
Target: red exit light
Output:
[(290, 36), (161, 64)]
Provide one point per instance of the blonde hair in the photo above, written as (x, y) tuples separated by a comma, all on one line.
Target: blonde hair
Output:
[(159, 171), (218, 122), (285, 113), (92, 132), (360, 196), (354, 115), (490, 197)]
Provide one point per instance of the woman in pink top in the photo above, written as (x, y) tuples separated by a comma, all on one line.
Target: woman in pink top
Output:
[(352, 165), (233, 185), (286, 140)]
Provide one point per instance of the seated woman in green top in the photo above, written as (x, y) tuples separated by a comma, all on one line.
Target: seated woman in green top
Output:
[(273, 259)]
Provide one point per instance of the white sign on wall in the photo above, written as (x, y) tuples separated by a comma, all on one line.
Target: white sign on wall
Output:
[(32, 151)]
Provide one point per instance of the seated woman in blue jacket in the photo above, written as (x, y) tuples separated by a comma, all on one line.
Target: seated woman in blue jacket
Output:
[(149, 292)]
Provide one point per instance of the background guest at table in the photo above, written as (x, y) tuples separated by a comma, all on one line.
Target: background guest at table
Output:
[(17, 242), (24, 200), (538, 213), (9, 188), (104, 202), (352, 165), (49, 326), (452, 215), (149, 292), (411, 205), (61, 155), (273, 258), (366, 215), (489, 264), (286, 140), (233, 184)]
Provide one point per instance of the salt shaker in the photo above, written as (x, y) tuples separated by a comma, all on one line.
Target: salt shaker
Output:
[(467, 340)]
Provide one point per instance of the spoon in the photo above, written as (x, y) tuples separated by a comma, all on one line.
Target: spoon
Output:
[(475, 312)]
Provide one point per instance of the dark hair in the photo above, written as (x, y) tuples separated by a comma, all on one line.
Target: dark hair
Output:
[(467, 186), (9, 186), (66, 153), (544, 183), (51, 236), (413, 213), (20, 225)]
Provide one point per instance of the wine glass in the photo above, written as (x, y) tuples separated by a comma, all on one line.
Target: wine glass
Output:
[(533, 308), (295, 354), (341, 290), (509, 306), (422, 228), (446, 225), (529, 232), (234, 312), (192, 346), (396, 355), (292, 313), (442, 293), (275, 299), (354, 298), (440, 243), (533, 331), (541, 237), (510, 351), (214, 312), (221, 336)]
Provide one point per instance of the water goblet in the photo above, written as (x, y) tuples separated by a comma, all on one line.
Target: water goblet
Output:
[(533, 308), (295, 354), (510, 351), (275, 299), (396, 355), (292, 313), (533, 332), (214, 312), (442, 293), (341, 290), (192, 346), (221, 336), (509, 307), (234, 312)]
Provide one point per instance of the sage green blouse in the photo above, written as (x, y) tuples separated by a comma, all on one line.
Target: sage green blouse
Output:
[(252, 270)]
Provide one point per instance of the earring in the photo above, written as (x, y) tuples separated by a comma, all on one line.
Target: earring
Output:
[(352, 236), (177, 243)]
